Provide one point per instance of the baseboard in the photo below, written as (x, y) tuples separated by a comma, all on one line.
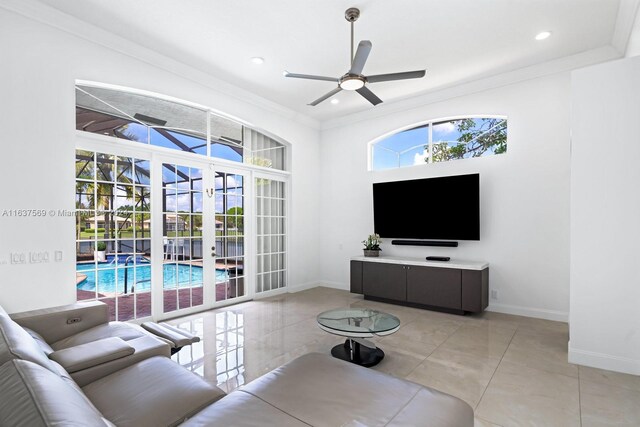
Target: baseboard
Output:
[(271, 293), (324, 283), (333, 285), (604, 361), (539, 313)]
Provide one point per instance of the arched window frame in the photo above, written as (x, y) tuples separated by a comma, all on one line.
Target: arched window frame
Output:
[(429, 125), (249, 130)]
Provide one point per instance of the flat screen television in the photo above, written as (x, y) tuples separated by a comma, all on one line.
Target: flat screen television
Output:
[(444, 208)]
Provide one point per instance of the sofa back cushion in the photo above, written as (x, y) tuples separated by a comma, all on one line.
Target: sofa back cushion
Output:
[(46, 348), (16, 343), (31, 395)]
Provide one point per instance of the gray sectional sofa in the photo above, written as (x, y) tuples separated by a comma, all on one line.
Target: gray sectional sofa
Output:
[(69, 366)]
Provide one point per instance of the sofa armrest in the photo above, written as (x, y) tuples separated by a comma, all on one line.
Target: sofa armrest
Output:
[(175, 336), (56, 323), (95, 353)]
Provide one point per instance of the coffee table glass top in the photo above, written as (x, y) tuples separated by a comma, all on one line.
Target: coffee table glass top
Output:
[(359, 320)]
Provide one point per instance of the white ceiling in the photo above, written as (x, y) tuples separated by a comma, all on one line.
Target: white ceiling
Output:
[(455, 40)]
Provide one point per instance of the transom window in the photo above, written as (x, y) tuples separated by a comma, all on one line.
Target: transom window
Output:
[(163, 123), (441, 141)]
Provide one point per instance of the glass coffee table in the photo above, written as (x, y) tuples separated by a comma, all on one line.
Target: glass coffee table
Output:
[(356, 324)]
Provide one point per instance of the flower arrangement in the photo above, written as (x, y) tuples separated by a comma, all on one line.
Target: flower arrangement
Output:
[(372, 243)]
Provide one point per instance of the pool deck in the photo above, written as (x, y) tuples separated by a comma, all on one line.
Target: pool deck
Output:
[(138, 305)]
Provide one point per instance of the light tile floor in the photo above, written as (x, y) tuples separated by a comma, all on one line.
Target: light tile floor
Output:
[(512, 370)]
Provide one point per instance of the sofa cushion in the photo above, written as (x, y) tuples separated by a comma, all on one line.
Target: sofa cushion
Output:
[(32, 396), (308, 386), (240, 409), (46, 348), (84, 356), (125, 331), (435, 409), (16, 343), (144, 347), (154, 392)]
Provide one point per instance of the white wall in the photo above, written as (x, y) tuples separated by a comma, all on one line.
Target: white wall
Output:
[(524, 194), (39, 67), (605, 216), (633, 47)]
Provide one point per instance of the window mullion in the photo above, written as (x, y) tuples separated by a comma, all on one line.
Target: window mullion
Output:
[(430, 136)]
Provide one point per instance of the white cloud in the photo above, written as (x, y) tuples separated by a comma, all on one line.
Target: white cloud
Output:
[(420, 158), (444, 128)]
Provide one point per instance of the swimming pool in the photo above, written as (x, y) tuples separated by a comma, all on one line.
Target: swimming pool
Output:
[(111, 280)]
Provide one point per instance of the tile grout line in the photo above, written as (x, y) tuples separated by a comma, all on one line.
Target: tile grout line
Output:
[(496, 370), (433, 351), (579, 397)]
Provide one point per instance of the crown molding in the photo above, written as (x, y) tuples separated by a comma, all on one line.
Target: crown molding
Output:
[(627, 12), (568, 63), (47, 15)]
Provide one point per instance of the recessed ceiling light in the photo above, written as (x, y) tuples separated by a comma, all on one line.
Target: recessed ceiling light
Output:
[(543, 35), (258, 60), (335, 101)]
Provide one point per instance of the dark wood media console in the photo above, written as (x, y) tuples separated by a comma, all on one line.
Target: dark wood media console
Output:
[(454, 286)]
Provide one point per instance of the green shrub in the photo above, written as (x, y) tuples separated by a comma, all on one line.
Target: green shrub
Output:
[(101, 246)]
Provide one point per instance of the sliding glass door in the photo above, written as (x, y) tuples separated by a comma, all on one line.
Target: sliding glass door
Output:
[(230, 249), (182, 239), (161, 235), (203, 235)]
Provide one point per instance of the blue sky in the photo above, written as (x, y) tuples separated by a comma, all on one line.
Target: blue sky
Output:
[(139, 133), (403, 141)]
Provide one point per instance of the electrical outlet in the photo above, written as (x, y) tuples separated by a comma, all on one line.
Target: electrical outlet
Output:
[(494, 294)]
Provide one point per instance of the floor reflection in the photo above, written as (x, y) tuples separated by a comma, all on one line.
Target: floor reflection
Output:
[(227, 330), (244, 341)]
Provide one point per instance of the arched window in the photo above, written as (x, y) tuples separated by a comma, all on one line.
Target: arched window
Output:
[(441, 141), (177, 126)]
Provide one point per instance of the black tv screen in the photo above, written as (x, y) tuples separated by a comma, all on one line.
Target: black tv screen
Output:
[(444, 208)]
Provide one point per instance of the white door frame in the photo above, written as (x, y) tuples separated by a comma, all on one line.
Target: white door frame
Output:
[(208, 235), (157, 155)]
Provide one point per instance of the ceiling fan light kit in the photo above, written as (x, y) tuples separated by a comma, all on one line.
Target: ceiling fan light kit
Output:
[(351, 82), (354, 80)]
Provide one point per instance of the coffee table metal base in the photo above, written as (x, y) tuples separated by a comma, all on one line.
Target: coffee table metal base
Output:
[(353, 352)]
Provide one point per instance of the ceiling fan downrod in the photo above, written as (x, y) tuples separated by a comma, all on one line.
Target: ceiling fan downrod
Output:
[(352, 14)]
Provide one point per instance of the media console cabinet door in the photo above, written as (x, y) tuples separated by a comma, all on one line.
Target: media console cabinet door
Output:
[(384, 280), (439, 287), (475, 290), (356, 277)]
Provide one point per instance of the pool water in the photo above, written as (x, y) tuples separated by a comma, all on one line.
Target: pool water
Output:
[(111, 280)]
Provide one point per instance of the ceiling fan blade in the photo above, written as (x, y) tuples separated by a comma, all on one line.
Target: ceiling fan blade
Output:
[(310, 77), (325, 96), (369, 96), (364, 47), (396, 76)]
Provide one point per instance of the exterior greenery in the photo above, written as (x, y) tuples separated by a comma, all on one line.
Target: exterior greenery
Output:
[(477, 136)]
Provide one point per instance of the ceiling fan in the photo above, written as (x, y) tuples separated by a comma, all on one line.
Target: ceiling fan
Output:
[(354, 79)]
